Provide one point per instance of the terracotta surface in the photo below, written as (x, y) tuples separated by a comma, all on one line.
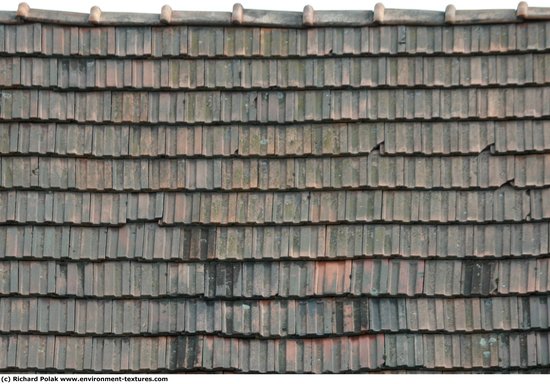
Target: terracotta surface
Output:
[(275, 192)]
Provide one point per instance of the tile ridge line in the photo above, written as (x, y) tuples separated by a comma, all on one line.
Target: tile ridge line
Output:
[(289, 19)]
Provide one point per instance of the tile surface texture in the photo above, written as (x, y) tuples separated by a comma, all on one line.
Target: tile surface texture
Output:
[(275, 192)]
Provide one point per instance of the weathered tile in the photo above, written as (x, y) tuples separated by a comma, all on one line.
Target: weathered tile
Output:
[(258, 199)]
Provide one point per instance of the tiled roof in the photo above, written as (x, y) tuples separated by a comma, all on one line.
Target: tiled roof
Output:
[(308, 18), (260, 191)]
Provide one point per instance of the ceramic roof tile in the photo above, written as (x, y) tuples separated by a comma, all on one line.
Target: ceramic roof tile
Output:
[(285, 279), (79, 73), (273, 106), (434, 139), (481, 171), (363, 353), (201, 41), (257, 191), (246, 318), (150, 242), (82, 208)]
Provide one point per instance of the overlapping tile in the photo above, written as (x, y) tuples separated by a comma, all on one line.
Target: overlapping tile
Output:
[(425, 71), (149, 242), (196, 41), (503, 204), (345, 354), (372, 171), (272, 318), (242, 198), (276, 278), (150, 354), (79, 207), (295, 140), (274, 106)]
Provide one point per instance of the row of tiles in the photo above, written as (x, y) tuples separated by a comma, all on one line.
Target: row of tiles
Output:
[(504, 204), (272, 318), (274, 106), (285, 140), (219, 174), (44, 39), (150, 242), (426, 138), (402, 71), (337, 355), (293, 279)]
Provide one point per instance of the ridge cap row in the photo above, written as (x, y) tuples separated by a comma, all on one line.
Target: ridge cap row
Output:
[(308, 18)]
